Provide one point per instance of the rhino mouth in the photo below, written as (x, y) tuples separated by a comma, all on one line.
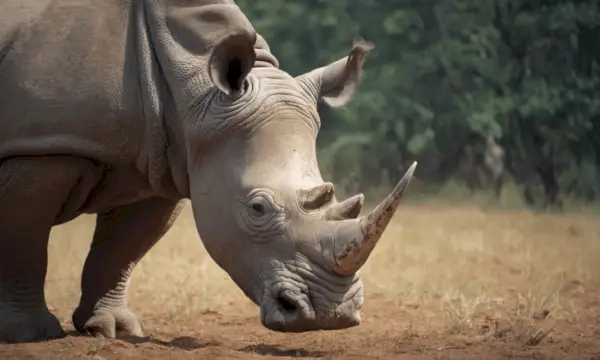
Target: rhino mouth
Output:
[(303, 300)]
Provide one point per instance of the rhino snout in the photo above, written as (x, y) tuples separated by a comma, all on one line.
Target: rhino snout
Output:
[(285, 311), (293, 311)]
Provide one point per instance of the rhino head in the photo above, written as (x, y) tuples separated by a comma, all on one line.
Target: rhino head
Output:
[(261, 207)]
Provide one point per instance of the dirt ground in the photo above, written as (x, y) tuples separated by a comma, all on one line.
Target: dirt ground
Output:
[(444, 283)]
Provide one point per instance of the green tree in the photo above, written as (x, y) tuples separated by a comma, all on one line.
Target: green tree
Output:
[(447, 74)]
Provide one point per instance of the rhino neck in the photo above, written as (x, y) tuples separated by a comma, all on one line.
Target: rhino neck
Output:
[(162, 158)]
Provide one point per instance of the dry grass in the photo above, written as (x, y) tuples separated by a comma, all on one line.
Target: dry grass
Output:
[(493, 275)]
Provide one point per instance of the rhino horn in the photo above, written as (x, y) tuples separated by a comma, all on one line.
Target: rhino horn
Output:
[(359, 237), (347, 209)]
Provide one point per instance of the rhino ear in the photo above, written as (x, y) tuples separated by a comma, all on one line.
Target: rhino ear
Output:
[(231, 61), (337, 82)]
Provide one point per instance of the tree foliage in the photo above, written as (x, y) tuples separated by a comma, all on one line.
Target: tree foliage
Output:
[(447, 74)]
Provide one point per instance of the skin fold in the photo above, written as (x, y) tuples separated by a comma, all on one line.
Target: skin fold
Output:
[(125, 109)]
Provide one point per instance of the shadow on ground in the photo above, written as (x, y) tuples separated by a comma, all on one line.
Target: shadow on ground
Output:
[(182, 342), (263, 349)]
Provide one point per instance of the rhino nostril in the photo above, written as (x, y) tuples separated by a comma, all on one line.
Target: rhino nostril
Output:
[(286, 305)]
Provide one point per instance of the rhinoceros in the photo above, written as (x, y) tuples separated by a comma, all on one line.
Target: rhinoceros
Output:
[(128, 109)]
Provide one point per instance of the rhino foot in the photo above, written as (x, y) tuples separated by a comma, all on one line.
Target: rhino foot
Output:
[(108, 322), (28, 325)]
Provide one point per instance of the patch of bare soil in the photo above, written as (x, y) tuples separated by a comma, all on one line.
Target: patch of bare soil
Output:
[(444, 283), (390, 330)]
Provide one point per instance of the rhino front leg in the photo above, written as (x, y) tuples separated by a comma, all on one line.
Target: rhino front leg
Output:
[(34, 193), (122, 237)]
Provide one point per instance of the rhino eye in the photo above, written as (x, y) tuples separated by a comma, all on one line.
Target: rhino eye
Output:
[(259, 205), (261, 217), (259, 208)]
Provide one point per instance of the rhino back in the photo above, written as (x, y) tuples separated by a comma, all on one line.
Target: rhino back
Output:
[(68, 79)]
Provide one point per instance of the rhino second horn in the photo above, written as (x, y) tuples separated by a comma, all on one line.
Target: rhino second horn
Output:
[(316, 197), (360, 236), (347, 209)]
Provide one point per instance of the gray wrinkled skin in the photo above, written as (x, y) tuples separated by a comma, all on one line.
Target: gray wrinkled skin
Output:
[(124, 109)]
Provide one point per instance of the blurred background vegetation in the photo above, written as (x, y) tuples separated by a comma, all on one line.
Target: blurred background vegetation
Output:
[(496, 99)]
